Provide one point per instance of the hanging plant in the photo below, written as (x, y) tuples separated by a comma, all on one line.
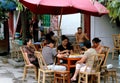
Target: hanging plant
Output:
[(114, 10)]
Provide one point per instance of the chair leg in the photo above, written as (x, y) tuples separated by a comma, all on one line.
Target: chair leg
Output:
[(43, 81), (99, 77), (86, 80), (63, 79), (24, 72), (105, 78), (79, 78), (116, 78), (68, 78), (38, 76), (54, 78), (36, 73)]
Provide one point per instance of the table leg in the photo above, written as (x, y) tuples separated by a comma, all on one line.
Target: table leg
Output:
[(69, 70)]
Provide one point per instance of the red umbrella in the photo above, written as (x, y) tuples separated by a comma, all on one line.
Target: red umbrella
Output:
[(57, 7)]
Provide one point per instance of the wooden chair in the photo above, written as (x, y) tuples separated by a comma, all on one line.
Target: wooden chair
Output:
[(116, 42), (32, 45), (43, 71), (76, 48), (106, 51), (28, 66), (106, 73), (15, 51), (61, 76), (109, 73), (95, 67)]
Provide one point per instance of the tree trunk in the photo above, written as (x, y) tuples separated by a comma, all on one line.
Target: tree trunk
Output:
[(24, 25)]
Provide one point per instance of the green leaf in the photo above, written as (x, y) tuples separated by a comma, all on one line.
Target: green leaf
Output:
[(114, 9)]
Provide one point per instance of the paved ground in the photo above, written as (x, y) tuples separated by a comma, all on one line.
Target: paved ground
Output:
[(12, 74)]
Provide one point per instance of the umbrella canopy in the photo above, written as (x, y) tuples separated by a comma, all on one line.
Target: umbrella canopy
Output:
[(57, 7)]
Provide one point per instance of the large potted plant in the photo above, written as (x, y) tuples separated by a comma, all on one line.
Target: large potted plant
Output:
[(114, 10)]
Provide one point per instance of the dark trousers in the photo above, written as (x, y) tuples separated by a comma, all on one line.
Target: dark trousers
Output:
[(35, 62)]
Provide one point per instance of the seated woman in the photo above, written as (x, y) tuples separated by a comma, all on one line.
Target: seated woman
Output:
[(96, 45), (81, 64), (29, 50), (65, 46)]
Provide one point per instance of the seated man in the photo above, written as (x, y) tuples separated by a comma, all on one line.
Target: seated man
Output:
[(80, 37), (49, 53), (81, 63)]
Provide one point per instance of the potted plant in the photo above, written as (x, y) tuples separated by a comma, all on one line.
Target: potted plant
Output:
[(114, 10)]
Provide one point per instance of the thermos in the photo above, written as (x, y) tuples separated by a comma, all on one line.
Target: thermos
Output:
[(119, 60)]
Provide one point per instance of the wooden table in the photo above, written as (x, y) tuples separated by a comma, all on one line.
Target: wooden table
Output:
[(70, 61)]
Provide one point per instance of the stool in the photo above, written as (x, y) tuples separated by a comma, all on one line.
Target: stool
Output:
[(110, 73), (61, 76)]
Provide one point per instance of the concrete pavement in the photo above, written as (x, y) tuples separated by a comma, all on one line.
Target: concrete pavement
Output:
[(9, 73)]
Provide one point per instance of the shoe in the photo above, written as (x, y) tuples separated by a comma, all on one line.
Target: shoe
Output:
[(73, 79)]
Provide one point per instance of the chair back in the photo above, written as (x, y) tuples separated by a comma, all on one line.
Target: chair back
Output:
[(116, 40), (90, 63), (41, 61), (94, 62), (106, 51), (25, 57), (33, 46), (76, 48), (99, 62)]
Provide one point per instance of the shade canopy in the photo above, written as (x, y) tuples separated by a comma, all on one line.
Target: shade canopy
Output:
[(58, 7), (8, 5)]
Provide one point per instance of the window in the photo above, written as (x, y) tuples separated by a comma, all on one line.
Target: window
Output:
[(46, 20)]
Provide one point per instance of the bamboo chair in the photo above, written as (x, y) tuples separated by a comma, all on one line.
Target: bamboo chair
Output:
[(116, 42), (76, 48), (61, 76), (15, 51), (28, 66), (107, 73), (106, 51), (43, 71), (95, 67)]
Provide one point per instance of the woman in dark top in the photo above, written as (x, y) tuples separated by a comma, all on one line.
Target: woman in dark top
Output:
[(66, 46), (29, 50)]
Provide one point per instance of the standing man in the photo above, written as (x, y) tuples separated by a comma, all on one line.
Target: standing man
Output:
[(35, 28), (80, 37)]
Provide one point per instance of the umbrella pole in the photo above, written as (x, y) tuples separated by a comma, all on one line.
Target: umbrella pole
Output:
[(59, 31)]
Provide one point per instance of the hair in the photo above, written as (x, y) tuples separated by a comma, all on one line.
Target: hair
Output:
[(63, 37), (50, 41), (87, 44), (26, 40), (79, 28), (83, 49), (51, 33), (96, 40)]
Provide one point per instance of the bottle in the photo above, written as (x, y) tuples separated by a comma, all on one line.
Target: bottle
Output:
[(119, 60)]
